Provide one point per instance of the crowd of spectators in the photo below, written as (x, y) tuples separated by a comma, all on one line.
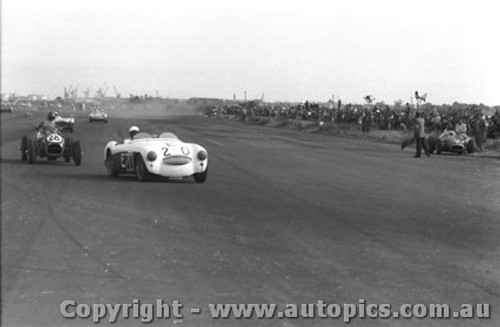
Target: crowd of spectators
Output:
[(376, 116)]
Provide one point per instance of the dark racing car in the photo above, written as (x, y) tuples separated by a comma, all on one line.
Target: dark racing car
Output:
[(450, 141), (52, 147)]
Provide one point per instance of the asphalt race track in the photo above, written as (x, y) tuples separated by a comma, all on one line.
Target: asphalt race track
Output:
[(284, 217)]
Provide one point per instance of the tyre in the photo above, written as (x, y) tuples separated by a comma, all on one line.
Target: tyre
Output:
[(31, 153), (109, 166), (432, 144), (141, 170), (24, 148), (201, 177), (471, 146), (77, 153), (68, 142), (90, 120), (439, 147)]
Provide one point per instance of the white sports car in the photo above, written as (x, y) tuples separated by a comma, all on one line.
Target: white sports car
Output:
[(156, 155), (65, 123), (98, 115)]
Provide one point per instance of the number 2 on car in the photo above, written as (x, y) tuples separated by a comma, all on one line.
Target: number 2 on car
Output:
[(165, 151)]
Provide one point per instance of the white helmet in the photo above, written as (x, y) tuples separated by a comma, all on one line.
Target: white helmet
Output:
[(134, 129)]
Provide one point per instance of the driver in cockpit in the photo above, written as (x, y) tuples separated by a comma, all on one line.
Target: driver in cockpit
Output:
[(133, 131), (48, 126)]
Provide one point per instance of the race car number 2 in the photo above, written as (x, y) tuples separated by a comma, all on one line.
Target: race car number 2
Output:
[(165, 151)]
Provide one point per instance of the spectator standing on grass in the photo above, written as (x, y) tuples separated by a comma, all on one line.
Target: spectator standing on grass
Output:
[(366, 121), (481, 130), (420, 135)]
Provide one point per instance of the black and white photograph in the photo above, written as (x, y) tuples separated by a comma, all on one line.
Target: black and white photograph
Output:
[(250, 163)]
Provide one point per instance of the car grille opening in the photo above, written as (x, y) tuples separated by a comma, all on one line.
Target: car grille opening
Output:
[(55, 149), (176, 160), (457, 148)]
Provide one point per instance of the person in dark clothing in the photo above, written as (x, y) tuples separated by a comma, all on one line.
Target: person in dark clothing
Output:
[(420, 135), (481, 131), (366, 121)]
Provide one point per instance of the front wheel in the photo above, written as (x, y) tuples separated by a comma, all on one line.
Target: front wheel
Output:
[(77, 153), (141, 170), (31, 153), (24, 148), (110, 169), (201, 177)]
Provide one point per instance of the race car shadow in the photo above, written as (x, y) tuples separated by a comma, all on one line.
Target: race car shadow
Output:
[(92, 177), (449, 154), (41, 162), (10, 161)]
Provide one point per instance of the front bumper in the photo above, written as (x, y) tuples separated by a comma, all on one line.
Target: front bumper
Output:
[(158, 167)]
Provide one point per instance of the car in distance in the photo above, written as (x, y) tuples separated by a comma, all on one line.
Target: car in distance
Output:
[(6, 108), (156, 155), (98, 115)]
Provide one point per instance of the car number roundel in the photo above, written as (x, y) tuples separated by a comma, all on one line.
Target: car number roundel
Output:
[(54, 138)]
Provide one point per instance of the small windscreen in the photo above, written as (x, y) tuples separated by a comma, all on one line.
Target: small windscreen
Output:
[(167, 135), (142, 135)]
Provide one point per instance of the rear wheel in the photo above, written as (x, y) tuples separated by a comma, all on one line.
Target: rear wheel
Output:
[(471, 146), (432, 144), (201, 177), (141, 170), (77, 153), (438, 147), (110, 166), (24, 148)]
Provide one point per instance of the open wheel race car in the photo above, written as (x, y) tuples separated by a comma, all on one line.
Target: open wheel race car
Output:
[(51, 146), (450, 141), (163, 155)]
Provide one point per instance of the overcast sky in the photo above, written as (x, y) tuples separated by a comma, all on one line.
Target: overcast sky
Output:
[(286, 50)]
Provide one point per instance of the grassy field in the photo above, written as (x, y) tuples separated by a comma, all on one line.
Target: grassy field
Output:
[(492, 147)]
